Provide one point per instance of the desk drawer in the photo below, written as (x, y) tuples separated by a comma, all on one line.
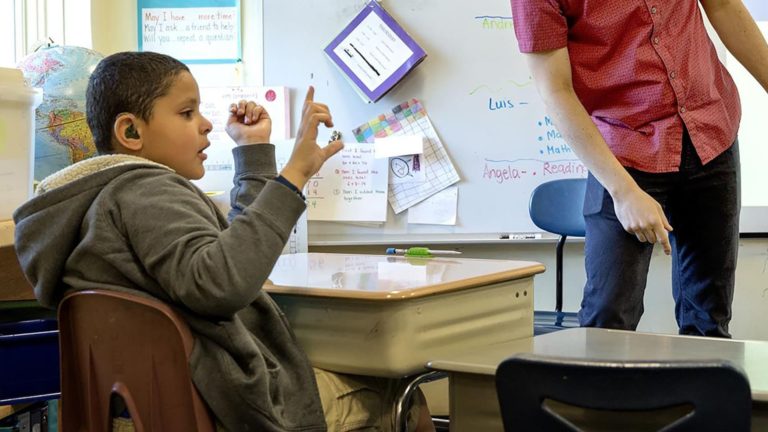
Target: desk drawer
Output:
[(29, 361), (396, 338)]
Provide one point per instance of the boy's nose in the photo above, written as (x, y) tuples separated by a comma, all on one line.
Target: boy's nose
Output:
[(207, 126)]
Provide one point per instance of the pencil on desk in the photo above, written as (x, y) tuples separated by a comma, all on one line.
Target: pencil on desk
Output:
[(420, 251)]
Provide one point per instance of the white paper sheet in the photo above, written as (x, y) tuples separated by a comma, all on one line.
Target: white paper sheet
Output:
[(215, 101), (351, 186), (439, 209)]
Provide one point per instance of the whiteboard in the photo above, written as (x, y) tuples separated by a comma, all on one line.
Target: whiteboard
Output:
[(753, 142), (477, 92)]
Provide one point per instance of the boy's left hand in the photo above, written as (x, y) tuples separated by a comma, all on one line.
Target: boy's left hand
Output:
[(248, 123)]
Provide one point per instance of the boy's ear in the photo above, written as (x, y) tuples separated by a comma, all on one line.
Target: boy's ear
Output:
[(127, 132)]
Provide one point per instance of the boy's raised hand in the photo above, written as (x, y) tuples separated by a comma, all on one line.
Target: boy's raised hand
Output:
[(308, 156), (248, 123)]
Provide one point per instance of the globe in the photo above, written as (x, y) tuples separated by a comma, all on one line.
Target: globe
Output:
[(62, 136)]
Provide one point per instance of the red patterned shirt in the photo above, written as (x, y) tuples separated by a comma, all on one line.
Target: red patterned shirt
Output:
[(641, 68)]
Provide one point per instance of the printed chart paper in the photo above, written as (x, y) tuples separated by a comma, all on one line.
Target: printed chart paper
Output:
[(410, 118), (374, 52)]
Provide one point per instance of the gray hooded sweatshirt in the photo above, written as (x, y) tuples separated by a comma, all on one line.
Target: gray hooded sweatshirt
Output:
[(125, 223)]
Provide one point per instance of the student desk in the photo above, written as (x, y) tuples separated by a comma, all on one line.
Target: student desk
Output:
[(389, 315), (473, 400), (13, 285)]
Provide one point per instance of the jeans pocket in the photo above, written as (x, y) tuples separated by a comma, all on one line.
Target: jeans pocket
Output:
[(594, 196)]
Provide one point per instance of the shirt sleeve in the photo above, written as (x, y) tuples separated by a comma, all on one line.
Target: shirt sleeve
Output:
[(176, 237), (254, 167), (540, 25)]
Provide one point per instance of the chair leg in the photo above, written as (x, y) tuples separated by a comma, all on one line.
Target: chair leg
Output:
[(559, 274), (399, 418)]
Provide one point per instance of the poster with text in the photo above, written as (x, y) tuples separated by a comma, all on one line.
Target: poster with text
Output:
[(193, 31)]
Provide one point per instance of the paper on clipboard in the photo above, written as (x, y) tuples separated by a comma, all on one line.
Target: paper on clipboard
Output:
[(374, 52)]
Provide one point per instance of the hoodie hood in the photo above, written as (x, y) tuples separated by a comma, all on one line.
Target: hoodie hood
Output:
[(48, 226)]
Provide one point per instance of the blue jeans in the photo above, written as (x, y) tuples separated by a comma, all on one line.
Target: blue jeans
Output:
[(702, 204)]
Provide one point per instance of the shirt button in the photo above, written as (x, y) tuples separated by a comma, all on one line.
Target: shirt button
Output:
[(653, 10), (656, 40), (682, 109), (672, 74)]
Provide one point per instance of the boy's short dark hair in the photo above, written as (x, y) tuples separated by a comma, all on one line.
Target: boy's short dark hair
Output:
[(126, 82)]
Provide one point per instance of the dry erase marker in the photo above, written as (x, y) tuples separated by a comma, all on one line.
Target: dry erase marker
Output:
[(420, 251), (533, 236)]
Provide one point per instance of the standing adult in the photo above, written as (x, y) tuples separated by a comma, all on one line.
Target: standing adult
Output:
[(637, 90)]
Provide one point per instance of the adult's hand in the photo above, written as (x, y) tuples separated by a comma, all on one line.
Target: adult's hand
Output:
[(643, 216)]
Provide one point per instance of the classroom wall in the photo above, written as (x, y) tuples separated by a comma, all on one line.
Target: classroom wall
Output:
[(113, 25), (114, 29)]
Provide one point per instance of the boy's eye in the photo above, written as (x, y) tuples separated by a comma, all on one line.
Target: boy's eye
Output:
[(187, 114)]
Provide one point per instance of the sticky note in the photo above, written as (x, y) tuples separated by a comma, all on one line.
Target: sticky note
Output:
[(398, 146)]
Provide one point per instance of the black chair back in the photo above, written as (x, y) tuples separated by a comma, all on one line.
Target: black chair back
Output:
[(718, 394)]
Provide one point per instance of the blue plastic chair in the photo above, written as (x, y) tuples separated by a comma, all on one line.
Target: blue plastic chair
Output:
[(557, 207), (677, 396)]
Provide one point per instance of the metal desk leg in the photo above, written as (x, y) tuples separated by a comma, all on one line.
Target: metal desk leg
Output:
[(399, 417)]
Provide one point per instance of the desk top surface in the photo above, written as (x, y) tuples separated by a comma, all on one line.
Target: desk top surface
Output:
[(373, 277), (602, 344)]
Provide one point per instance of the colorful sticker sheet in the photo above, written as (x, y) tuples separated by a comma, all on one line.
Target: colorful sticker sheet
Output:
[(410, 118)]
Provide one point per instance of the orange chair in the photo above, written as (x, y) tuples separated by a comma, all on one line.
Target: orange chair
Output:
[(113, 343)]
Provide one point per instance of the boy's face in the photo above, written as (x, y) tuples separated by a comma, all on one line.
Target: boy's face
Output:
[(177, 133)]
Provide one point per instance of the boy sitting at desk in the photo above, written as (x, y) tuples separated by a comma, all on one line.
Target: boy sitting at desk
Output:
[(130, 220)]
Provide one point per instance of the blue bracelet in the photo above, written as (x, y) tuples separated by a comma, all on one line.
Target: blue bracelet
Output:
[(284, 181)]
